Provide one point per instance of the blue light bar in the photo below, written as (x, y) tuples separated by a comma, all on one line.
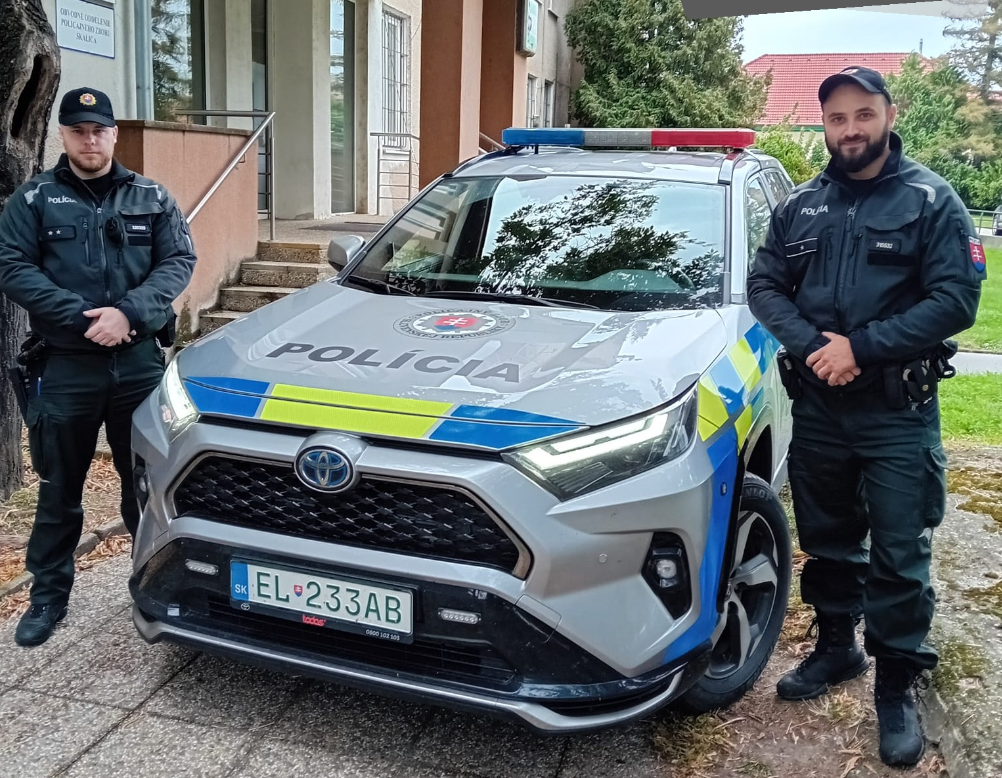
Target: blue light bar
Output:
[(629, 137), (543, 136)]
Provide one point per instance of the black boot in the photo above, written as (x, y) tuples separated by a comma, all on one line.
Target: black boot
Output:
[(37, 625), (837, 657), (901, 741)]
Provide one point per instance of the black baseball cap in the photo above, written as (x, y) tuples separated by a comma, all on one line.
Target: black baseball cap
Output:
[(869, 79), (86, 105)]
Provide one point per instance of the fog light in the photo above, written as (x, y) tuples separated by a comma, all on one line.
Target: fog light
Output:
[(141, 483), (459, 617), (205, 568), (667, 570)]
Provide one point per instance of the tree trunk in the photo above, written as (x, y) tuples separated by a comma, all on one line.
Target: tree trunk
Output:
[(29, 78), (988, 82)]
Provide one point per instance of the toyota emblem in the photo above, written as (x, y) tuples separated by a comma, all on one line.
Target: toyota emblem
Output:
[(325, 469)]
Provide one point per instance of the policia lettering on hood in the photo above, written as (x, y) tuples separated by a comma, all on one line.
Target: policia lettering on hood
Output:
[(370, 357)]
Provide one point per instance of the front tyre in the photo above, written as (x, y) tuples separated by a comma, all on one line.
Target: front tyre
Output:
[(757, 591)]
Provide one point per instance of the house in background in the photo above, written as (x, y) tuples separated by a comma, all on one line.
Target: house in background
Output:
[(793, 94)]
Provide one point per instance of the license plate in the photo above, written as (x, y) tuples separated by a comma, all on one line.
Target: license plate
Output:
[(323, 601)]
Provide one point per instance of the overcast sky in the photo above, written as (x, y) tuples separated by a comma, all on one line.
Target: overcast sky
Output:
[(849, 30)]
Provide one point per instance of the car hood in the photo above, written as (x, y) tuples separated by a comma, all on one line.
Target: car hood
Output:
[(334, 357)]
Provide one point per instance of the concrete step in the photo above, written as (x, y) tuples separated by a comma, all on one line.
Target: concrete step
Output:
[(250, 298), (213, 320), (304, 253), (283, 274)]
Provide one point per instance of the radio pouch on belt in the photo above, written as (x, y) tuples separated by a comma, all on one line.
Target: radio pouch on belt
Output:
[(919, 380), (894, 387), (788, 375), (166, 334)]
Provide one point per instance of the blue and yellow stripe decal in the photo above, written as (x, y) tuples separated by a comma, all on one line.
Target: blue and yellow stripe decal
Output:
[(730, 392), (370, 414), (731, 397)]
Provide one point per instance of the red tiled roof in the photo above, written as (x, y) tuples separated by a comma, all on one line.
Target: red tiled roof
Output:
[(796, 78)]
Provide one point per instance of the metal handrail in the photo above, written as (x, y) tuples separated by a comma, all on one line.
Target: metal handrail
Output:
[(983, 220), (268, 116), (494, 144)]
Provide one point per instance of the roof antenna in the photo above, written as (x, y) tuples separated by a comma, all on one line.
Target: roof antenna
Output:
[(920, 47)]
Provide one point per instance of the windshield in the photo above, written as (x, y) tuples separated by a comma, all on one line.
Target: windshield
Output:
[(611, 243)]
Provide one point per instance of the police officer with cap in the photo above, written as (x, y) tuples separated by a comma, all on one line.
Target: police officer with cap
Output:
[(96, 255), (867, 270)]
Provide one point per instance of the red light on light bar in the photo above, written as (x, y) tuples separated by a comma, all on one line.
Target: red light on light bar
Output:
[(712, 138)]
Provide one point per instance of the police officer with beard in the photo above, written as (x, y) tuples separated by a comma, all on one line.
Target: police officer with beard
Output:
[(867, 269), (96, 254)]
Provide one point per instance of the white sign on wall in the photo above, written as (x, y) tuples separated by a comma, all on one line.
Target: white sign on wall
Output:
[(86, 27)]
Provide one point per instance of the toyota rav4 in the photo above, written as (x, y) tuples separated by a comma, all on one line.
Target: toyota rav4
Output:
[(519, 455)]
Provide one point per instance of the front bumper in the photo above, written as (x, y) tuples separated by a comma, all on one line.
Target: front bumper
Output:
[(509, 666), (572, 637)]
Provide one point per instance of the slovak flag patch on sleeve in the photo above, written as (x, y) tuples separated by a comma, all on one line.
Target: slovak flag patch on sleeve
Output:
[(977, 253)]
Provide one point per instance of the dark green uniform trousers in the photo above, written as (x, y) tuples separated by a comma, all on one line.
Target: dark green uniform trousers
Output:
[(70, 396), (857, 466)]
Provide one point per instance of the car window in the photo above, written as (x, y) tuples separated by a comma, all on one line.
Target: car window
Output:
[(758, 215), (777, 185), (614, 243)]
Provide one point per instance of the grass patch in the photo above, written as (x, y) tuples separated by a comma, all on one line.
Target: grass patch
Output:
[(840, 708), (970, 408), (986, 334), (957, 662), (692, 744), (981, 491), (756, 769), (989, 598)]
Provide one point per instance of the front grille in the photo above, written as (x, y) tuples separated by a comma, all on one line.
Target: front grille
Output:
[(479, 665), (419, 520)]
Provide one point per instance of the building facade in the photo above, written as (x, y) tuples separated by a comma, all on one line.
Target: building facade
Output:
[(349, 82)]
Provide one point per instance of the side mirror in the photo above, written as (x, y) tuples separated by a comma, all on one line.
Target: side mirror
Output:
[(342, 249)]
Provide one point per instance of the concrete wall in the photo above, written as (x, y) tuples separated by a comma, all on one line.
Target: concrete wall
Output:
[(566, 63), (476, 40), (503, 74), (552, 61), (228, 54), (450, 84), (300, 89), (225, 231), (368, 100), (116, 77)]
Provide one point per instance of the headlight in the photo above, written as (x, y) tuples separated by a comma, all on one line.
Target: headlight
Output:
[(582, 463), (176, 408)]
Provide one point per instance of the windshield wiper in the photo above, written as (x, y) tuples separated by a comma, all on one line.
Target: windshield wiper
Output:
[(376, 286), (501, 297)]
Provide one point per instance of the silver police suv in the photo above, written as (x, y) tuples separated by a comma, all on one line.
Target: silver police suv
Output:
[(519, 456)]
